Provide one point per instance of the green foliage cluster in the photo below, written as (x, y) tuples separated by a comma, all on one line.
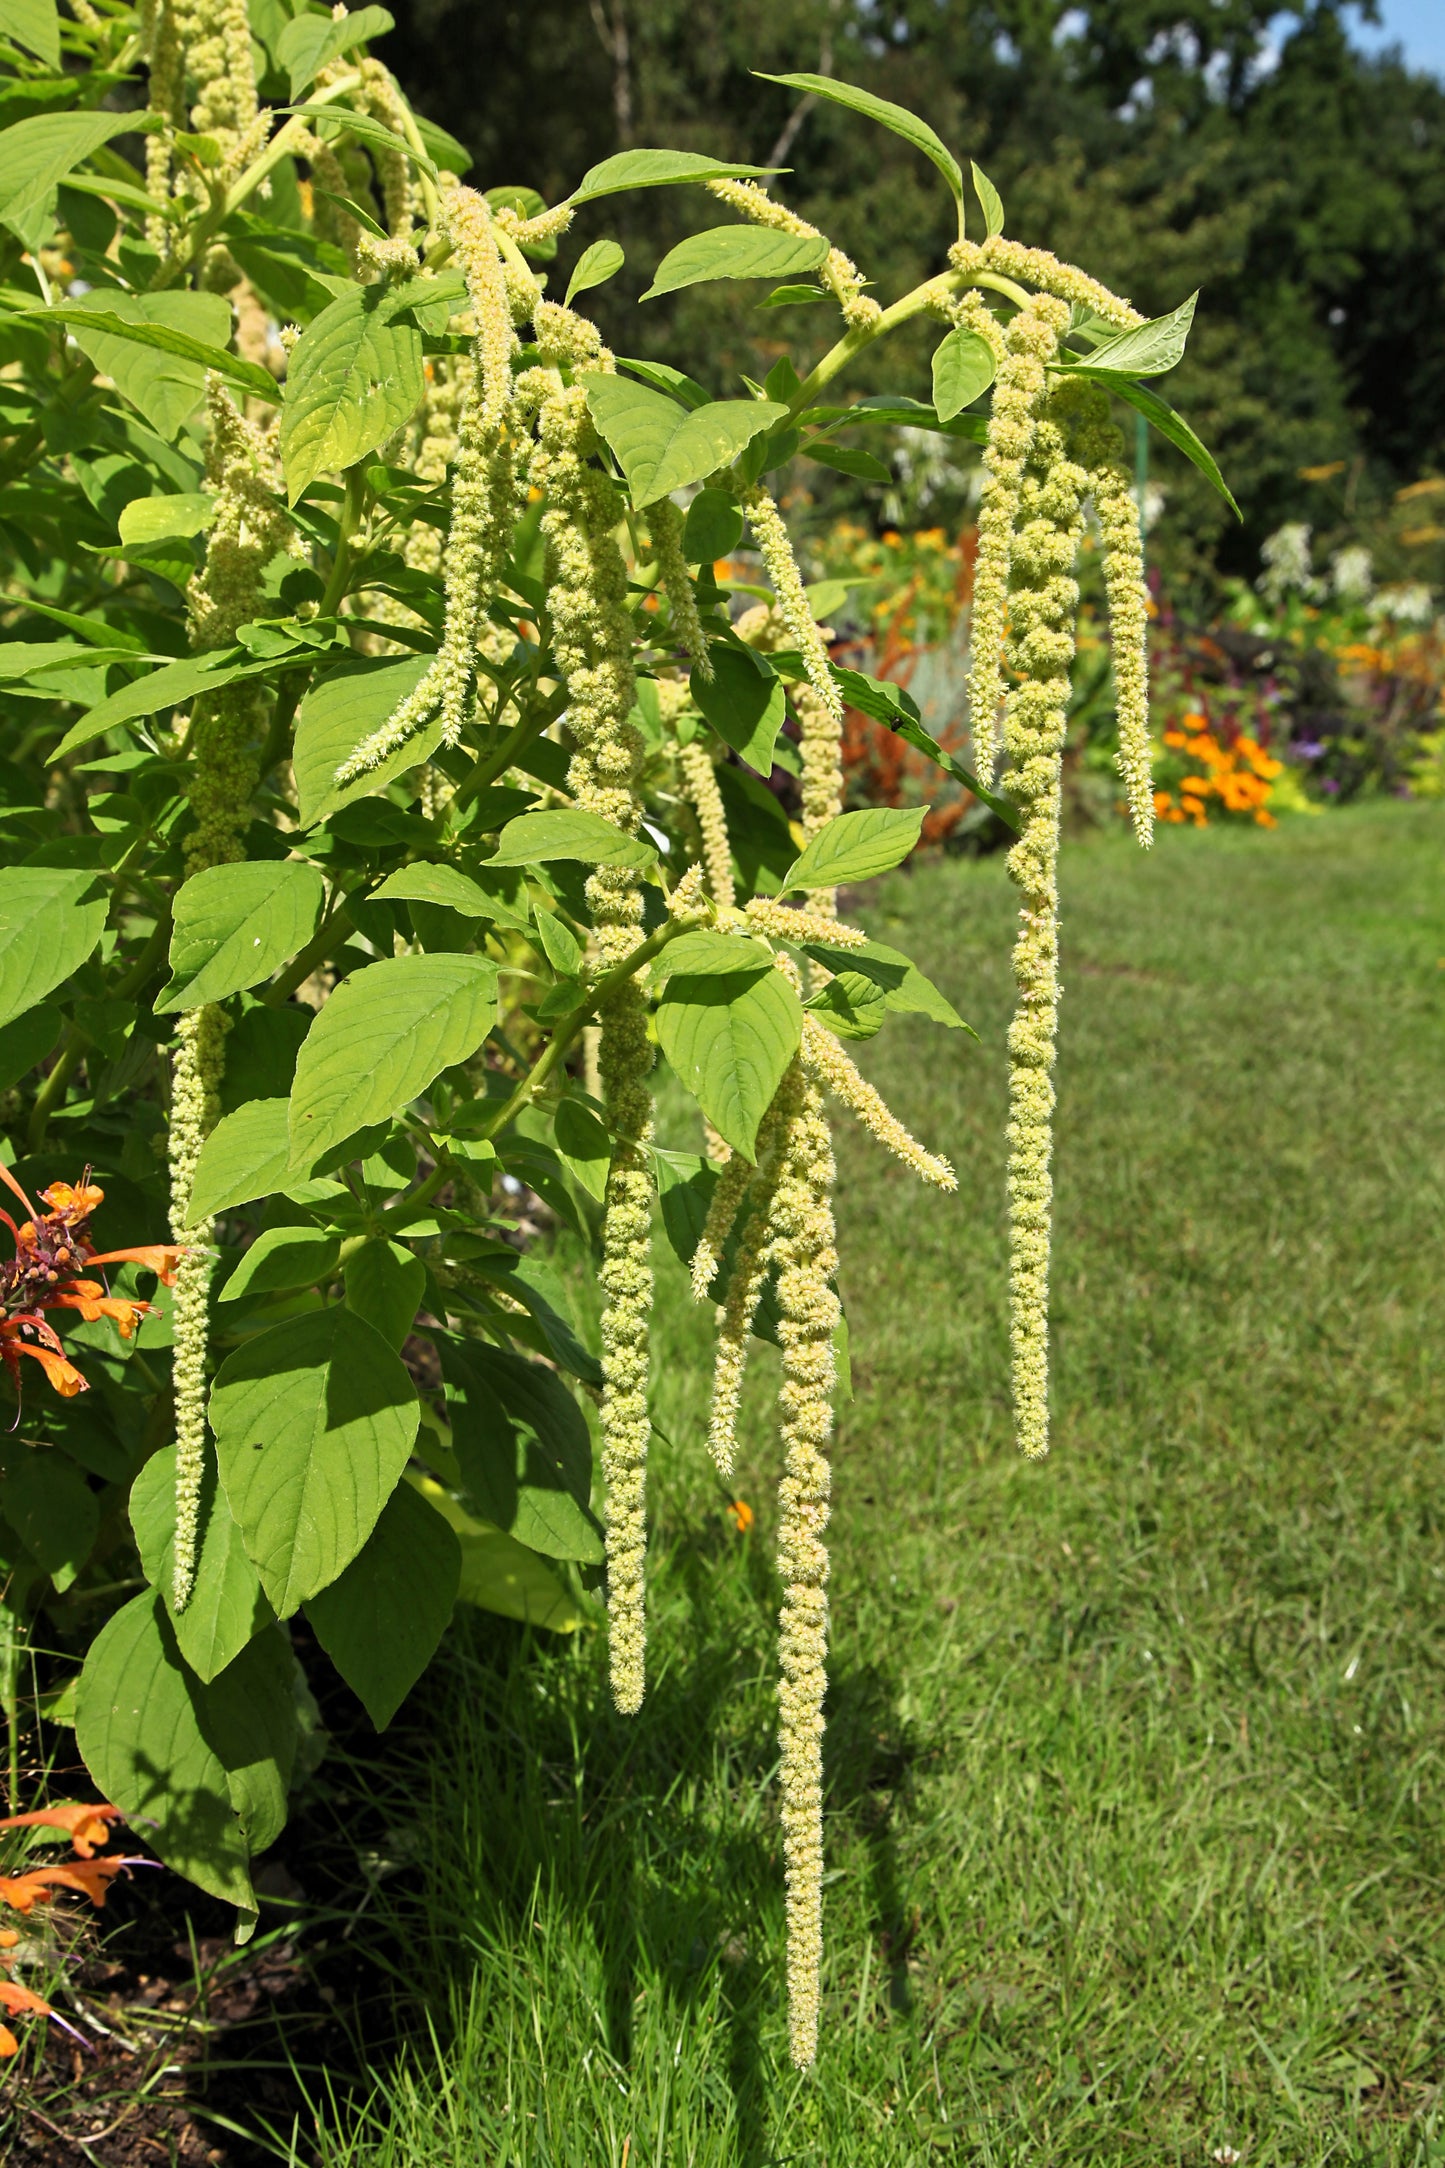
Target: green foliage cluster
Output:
[(309, 899)]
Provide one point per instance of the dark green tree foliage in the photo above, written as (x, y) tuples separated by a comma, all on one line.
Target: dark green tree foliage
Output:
[(1298, 182)]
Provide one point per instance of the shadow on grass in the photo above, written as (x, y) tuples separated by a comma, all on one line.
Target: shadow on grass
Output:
[(659, 1832)]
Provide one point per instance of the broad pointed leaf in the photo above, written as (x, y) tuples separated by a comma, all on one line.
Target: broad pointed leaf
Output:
[(661, 446)]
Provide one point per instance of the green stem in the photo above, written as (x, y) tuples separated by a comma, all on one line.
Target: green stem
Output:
[(926, 296), (352, 512), (278, 737), (529, 725)]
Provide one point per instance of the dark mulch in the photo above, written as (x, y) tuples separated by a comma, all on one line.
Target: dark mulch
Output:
[(200, 2052)]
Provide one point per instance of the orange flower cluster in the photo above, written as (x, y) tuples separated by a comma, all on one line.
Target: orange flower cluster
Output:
[(1236, 778), (50, 1247), (88, 1826)]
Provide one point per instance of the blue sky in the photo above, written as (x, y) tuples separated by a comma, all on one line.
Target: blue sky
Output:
[(1417, 25)]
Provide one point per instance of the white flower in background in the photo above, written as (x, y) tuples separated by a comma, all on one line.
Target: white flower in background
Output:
[(1353, 573), (1286, 555), (1156, 496), (1410, 603)]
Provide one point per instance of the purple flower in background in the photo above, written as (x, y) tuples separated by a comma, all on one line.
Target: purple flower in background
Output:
[(1307, 748), (1331, 784)]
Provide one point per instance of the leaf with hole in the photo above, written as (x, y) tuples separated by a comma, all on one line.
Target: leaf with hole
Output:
[(662, 446), (729, 1040), (735, 252), (385, 1034), (235, 925), (381, 1620), (314, 1422)]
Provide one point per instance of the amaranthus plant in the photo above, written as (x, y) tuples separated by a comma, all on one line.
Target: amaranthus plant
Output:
[(385, 792)]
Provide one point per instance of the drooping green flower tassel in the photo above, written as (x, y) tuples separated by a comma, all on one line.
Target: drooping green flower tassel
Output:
[(1043, 603)]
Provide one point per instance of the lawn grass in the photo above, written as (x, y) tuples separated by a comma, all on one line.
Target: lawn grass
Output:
[(1134, 1821)]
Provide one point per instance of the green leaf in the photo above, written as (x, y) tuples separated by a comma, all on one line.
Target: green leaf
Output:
[(896, 117), (385, 1285), (1168, 423), (706, 954), (851, 1004), (235, 925), (534, 838), (523, 1448), (896, 708), (380, 1622), (584, 1146), (1149, 349), (848, 459), (354, 377), (602, 261), (171, 686), (792, 297), (308, 42), (897, 413), (991, 201), (713, 527), (35, 24), (857, 847), (50, 1506), (283, 1257), (540, 1288), (314, 1422), (201, 1768), (658, 169), (156, 349), (905, 989), (498, 1573), (660, 446), (46, 932), (685, 389), (560, 946), (244, 1157), (341, 713), (228, 1607), (336, 119), (381, 1039), (159, 519), (42, 150), (963, 368), (735, 252), (729, 1041), (26, 1040), (451, 891), (744, 702)]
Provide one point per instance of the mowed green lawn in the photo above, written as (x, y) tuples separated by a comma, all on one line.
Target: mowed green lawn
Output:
[(1136, 1819)]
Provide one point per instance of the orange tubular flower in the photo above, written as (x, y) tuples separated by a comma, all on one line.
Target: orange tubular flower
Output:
[(86, 1824), (51, 1250), (91, 1878)]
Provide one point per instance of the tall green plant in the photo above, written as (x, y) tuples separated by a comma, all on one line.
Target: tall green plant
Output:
[(382, 793)]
